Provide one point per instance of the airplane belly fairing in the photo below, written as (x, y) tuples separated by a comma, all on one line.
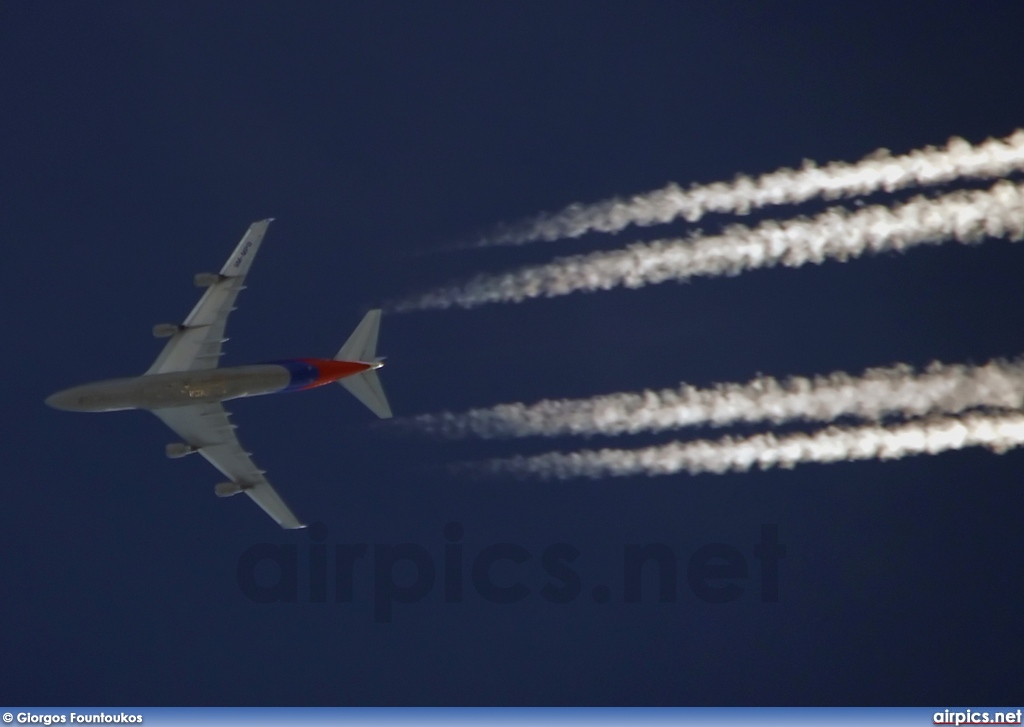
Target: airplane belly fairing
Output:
[(160, 391)]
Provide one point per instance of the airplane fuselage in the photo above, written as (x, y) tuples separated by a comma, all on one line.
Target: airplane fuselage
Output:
[(161, 391)]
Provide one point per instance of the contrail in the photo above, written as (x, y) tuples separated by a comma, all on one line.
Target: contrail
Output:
[(836, 234), (878, 171), (997, 432), (879, 392)]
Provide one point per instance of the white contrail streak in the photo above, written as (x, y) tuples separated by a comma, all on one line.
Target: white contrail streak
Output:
[(877, 172), (997, 432), (836, 234), (876, 394)]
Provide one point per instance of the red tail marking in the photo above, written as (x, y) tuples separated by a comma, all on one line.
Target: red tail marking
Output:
[(330, 371)]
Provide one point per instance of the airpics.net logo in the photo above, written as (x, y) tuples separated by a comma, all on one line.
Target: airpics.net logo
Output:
[(502, 572), (976, 716)]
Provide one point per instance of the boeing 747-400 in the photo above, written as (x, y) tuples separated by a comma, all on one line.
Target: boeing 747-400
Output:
[(185, 387)]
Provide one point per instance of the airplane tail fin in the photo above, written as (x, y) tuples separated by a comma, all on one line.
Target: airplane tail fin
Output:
[(362, 346)]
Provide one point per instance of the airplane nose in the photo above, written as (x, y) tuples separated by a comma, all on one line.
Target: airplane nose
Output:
[(58, 400)]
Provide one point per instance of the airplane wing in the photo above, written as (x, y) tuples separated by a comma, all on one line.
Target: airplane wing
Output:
[(197, 343), (206, 427)]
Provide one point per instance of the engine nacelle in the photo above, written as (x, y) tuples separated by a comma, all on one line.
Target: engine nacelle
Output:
[(175, 450), (205, 280), (227, 489), (166, 330)]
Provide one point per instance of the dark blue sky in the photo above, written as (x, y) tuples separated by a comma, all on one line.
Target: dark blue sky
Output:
[(137, 142)]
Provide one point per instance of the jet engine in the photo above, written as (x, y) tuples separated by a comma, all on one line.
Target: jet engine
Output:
[(205, 280), (175, 450), (227, 489), (166, 330)]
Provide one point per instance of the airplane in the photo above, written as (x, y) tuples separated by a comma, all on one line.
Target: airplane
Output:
[(185, 387)]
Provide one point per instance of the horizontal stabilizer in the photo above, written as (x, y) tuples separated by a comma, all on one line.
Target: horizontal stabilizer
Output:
[(362, 344), (366, 387)]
